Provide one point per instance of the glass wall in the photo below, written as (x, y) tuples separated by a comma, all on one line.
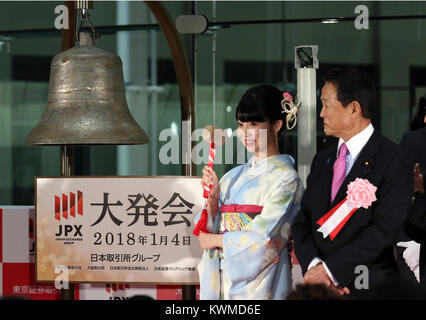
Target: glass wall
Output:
[(248, 43)]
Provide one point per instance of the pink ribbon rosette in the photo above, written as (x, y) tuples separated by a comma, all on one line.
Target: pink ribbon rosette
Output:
[(361, 194)]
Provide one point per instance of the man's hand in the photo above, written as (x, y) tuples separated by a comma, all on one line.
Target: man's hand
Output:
[(210, 240), (339, 290), (318, 274), (418, 179)]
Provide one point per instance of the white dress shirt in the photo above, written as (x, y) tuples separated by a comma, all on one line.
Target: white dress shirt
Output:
[(355, 145)]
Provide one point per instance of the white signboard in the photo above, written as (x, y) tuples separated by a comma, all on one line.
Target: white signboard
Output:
[(117, 229)]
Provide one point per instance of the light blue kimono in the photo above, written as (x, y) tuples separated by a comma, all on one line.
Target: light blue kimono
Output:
[(255, 263)]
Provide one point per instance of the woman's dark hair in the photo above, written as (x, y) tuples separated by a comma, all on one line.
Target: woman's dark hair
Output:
[(260, 104), (353, 85)]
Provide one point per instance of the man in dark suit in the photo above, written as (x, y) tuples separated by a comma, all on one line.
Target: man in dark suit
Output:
[(414, 143), (364, 244)]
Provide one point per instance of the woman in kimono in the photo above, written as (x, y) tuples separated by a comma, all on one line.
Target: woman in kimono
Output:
[(251, 209)]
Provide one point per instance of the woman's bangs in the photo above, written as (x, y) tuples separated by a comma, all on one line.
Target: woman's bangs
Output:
[(249, 113)]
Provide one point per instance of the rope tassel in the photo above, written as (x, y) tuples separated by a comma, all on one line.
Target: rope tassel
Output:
[(202, 223)]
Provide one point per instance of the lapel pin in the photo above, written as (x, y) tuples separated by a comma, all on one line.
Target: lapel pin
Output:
[(328, 161), (366, 167)]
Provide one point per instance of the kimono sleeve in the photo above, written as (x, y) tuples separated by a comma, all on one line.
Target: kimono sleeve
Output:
[(248, 252)]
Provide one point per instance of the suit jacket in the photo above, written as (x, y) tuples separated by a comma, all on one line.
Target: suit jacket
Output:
[(414, 143), (369, 235)]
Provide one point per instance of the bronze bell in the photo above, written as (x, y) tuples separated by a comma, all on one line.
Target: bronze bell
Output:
[(86, 101)]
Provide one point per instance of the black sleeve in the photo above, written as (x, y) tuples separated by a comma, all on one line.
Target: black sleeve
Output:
[(407, 145), (304, 246), (415, 226)]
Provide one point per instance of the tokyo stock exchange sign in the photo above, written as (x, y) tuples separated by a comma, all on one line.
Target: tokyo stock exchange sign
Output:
[(117, 229)]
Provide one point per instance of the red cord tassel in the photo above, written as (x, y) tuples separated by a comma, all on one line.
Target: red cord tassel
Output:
[(202, 224)]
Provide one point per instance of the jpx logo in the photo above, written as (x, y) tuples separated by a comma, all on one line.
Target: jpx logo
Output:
[(117, 291), (69, 230), (67, 205), (115, 287)]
